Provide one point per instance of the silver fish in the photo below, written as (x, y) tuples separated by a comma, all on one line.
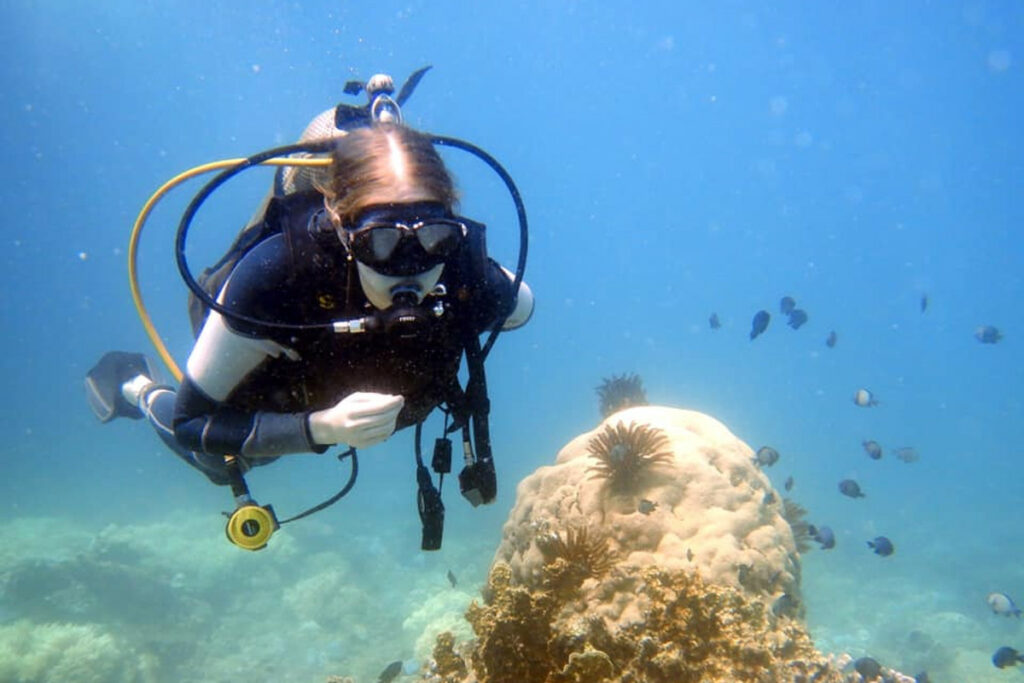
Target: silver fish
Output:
[(987, 334), (907, 454), (864, 398), (760, 323), (391, 672), (766, 456), (872, 448), (1001, 603)]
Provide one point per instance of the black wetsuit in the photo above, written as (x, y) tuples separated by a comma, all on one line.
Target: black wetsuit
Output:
[(300, 274)]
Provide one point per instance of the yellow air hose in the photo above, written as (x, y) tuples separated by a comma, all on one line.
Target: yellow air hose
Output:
[(140, 221)]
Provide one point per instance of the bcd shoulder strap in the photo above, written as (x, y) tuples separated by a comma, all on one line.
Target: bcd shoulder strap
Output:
[(272, 222)]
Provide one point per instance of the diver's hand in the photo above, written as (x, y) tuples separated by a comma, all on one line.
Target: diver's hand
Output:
[(360, 419)]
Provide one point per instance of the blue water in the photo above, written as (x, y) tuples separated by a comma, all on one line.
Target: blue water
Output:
[(676, 159)]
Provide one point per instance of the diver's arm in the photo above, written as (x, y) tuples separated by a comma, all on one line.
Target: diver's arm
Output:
[(220, 360), (225, 354), (201, 424)]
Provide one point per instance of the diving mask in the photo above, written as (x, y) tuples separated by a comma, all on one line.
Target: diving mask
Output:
[(406, 240)]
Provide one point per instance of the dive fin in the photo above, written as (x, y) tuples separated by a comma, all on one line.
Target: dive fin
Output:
[(410, 84), (103, 384)]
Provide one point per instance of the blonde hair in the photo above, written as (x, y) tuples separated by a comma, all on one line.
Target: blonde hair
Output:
[(381, 164)]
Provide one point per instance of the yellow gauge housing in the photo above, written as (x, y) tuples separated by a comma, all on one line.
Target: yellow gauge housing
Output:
[(251, 526)]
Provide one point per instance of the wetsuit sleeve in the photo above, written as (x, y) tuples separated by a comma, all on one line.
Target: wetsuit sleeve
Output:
[(223, 356), (204, 425)]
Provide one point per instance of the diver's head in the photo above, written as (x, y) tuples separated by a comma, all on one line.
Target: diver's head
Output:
[(391, 199), (384, 164)]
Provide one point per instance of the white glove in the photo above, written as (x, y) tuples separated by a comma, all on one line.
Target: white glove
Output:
[(360, 419)]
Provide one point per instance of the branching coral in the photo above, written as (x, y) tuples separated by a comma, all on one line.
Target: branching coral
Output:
[(690, 632), (513, 630), (450, 666), (620, 391), (794, 513), (623, 452), (571, 560), (695, 631)]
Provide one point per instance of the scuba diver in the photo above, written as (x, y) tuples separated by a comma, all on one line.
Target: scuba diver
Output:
[(343, 313)]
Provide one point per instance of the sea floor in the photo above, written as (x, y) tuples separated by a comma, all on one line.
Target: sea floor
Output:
[(174, 601)]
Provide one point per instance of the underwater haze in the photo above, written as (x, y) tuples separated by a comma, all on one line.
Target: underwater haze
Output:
[(677, 160)]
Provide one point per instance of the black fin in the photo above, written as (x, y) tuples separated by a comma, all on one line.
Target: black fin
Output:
[(410, 84), (103, 384)]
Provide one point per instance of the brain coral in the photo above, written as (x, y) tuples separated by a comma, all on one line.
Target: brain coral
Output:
[(711, 511), (675, 578), (672, 577)]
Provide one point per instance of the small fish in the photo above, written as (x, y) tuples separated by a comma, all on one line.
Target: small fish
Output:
[(924, 303), (785, 604), (868, 668), (882, 546), (1005, 657), (831, 339), (766, 456), (848, 487), (689, 555), (646, 507), (987, 334), (759, 324), (907, 454), (768, 498), (872, 448), (451, 578), (1001, 603), (713, 322), (797, 318), (786, 305), (823, 535), (390, 672), (788, 485), (864, 398)]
